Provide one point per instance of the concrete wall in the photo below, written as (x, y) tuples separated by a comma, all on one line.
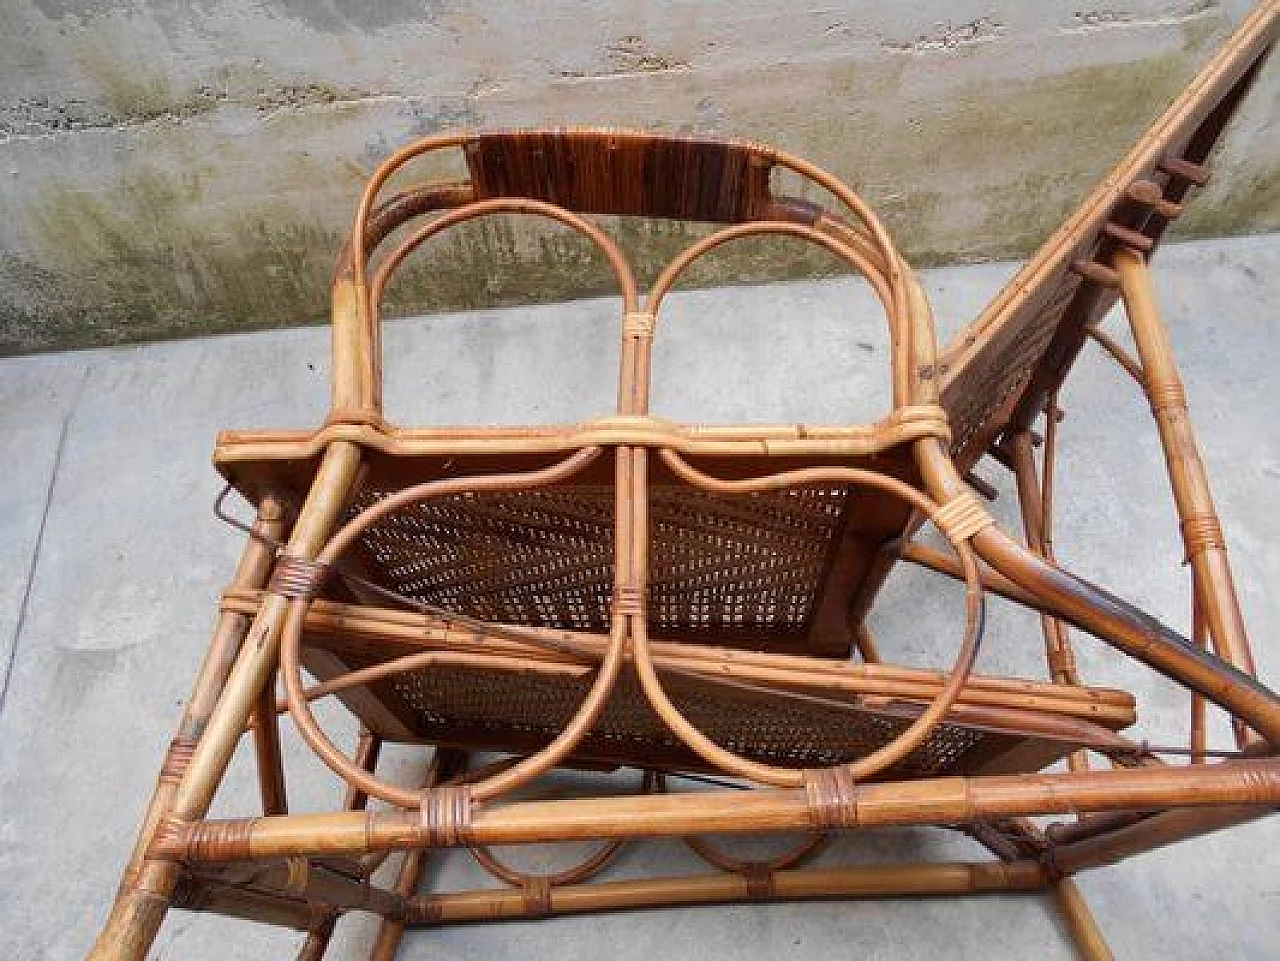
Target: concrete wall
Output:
[(170, 167)]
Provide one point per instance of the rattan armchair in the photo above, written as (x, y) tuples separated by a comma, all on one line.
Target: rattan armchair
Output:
[(690, 600)]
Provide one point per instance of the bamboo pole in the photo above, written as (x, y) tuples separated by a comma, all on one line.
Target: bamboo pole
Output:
[(143, 899), (1088, 937), (1156, 831), (954, 800), (194, 894), (391, 930), (1201, 529), (251, 573), (368, 749), (1107, 617), (266, 748), (867, 881)]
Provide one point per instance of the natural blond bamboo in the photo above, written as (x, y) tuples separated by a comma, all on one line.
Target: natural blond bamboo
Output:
[(934, 801), (877, 881), (571, 599)]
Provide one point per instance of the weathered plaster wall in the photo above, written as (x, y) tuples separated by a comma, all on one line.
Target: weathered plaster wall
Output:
[(170, 167)]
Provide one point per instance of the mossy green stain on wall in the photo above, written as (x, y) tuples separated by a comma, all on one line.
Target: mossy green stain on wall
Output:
[(181, 250), (138, 266)]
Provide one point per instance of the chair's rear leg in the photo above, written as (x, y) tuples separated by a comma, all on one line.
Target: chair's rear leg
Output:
[(1035, 504), (145, 894), (266, 747), (1057, 646), (1080, 921), (391, 932), (317, 942), (1201, 530)]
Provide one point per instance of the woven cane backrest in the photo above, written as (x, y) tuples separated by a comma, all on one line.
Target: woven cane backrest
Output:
[(1024, 342)]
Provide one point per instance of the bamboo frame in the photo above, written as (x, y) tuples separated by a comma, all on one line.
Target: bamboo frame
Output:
[(299, 598)]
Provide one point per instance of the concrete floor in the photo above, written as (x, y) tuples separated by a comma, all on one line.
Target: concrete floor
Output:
[(112, 562)]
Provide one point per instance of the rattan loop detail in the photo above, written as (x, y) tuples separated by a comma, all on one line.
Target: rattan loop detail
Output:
[(832, 796), (219, 840), (629, 601), (425, 909), (446, 815), (759, 882), (297, 577), (355, 418), (927, 420), (962, 517)]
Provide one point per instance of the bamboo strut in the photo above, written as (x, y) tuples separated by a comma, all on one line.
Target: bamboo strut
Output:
[(1158, 830), (871, 881), (1084, 927), (391, 930), (1108, 617), (368, 749), (1201, 530), (934, 801), (228, 634)]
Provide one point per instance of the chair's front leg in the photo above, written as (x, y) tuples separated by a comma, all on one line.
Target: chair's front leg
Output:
[(147, 889)]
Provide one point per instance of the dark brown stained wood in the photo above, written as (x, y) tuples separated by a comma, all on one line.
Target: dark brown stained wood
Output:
[(624, 173)]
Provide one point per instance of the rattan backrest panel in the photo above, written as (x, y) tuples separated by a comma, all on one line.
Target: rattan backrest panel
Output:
[(627, 173)]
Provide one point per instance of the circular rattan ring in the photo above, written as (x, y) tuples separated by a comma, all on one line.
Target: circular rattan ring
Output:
[(583, 871), (745, 866), (295, 618), (917, 731)]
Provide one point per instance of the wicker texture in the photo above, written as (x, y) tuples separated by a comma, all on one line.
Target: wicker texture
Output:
[(544, 558), (521, 709)]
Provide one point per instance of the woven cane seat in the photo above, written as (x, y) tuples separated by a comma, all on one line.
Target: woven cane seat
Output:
[(544, 558), (779, 709), (772, 571)]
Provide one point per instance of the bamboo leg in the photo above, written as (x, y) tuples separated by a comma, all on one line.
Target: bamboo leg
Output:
[(144, 897), (1199, 736), (317, 942), (1081, 922), (228, 634), (266, 746), (1201, 531), (1035, 504), (391, 931), (1057, 647)]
